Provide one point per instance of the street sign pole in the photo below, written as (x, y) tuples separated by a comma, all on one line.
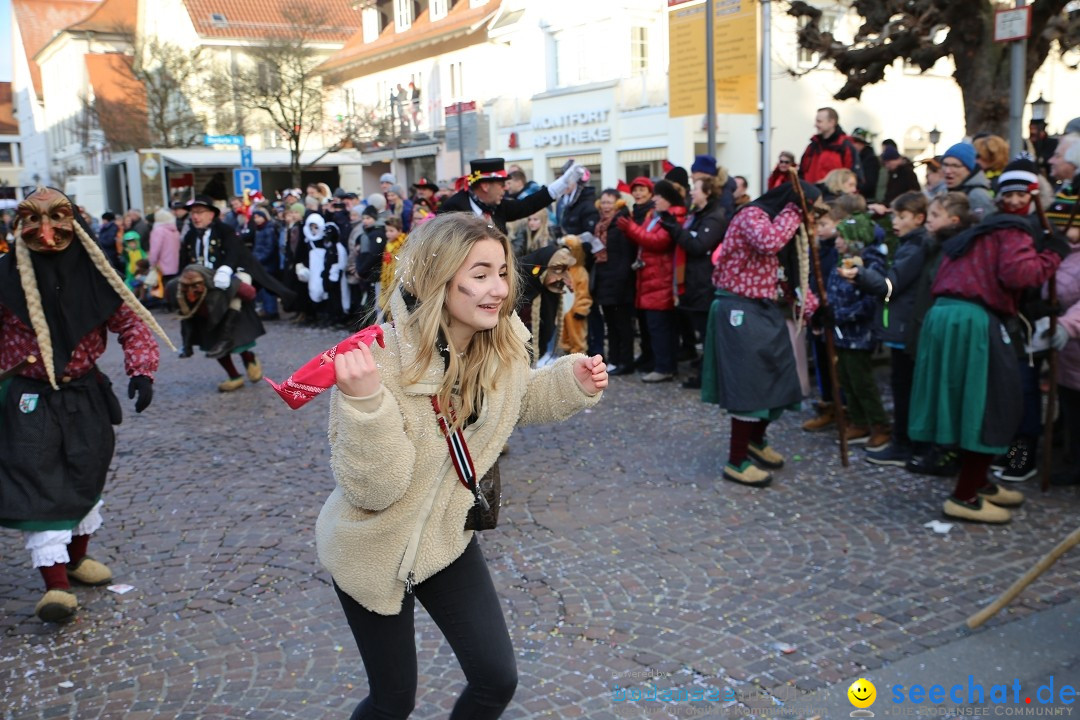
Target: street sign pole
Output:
[(710, 78), (1016, 92), (461, 142)]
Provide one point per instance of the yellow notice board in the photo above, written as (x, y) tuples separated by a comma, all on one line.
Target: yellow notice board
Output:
[(735, 32), (686, 68), (735, 56)]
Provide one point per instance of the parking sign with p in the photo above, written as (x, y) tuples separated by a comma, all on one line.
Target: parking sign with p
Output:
[(246, 179)]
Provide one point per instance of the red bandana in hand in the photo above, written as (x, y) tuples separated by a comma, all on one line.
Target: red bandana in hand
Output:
[(318, 373)]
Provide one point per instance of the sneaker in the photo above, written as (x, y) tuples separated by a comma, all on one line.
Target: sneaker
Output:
[(89, 571), (656, 377), (765, 456), (747, 474), (1022, 464), (978, 511), (1002, 497), (614, 370), (892, 454), (939, 462), (1002, 461), (56, 606)]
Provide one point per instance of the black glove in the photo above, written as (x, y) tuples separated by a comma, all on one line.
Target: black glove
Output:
[(825, 317), (1056, 242), (144, 387)]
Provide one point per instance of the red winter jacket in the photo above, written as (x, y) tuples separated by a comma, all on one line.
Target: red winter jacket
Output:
[(656, 248), (823, 156)]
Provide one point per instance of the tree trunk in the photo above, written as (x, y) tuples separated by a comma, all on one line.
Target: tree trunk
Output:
[(294, 160), (982, 72)]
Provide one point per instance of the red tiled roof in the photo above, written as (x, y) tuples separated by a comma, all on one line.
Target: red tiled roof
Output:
[(120, 99), (262, 19), (40, 20), (8, 124), (112, 80), (423, 29), (110, 16)]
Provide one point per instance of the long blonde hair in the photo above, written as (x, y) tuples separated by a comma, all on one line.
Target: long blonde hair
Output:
[(425, 269)]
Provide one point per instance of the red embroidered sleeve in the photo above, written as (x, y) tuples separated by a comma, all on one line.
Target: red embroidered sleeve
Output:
[(141, 354)]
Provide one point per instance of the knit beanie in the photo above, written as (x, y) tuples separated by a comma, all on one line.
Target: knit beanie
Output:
[(963, 152), (667, 190), (679, 176), (371, 211), (1022, 175), (704, 164)]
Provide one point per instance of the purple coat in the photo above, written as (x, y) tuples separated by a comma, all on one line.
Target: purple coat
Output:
[(1068, 292)]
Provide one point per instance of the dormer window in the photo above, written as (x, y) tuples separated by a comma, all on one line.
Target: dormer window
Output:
[(218, 20), (372, 23), (403, 15)]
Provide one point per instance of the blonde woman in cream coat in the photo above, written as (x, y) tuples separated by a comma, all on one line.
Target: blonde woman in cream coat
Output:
[(392, 532)]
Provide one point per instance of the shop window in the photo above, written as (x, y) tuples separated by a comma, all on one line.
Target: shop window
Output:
[(643, 169), (639, 50)]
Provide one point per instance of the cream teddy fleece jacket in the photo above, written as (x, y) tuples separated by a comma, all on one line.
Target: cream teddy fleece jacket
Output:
[(399, 507)]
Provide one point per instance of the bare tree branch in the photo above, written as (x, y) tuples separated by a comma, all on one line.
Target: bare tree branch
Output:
[(921, 32)]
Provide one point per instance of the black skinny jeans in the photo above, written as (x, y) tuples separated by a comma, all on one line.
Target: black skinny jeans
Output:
[(461, 599)]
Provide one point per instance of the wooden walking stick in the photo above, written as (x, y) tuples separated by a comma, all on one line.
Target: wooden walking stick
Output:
[(1051, 396), (17, 368), (1026, 579), (830, 343)]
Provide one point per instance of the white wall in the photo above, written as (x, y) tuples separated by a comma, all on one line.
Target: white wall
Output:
[(30, 115)]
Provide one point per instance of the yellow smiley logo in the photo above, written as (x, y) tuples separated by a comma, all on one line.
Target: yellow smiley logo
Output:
[(862, 693)]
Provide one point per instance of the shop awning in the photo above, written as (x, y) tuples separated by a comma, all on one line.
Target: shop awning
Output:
[(275, 158), (641, 156), (403, 153), (556, 161)]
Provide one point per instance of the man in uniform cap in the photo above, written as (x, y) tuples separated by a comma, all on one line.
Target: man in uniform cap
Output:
[(486, 187)]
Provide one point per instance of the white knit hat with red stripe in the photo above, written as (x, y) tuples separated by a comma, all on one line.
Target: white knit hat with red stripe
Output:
[(1021, 175)]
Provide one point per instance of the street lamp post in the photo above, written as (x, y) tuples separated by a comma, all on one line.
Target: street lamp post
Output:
[(1040, 108), (935, 136)]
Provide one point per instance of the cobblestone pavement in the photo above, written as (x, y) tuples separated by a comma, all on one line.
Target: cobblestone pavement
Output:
[(621, 559)]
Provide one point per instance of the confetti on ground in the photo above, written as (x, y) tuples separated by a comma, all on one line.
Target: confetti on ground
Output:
[(941, 528), (121, 589)]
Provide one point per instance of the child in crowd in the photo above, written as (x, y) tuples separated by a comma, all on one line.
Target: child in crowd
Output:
[(965, 391), (896, 290), (132, 254), (395, 241), (853, 311), (1015, 188), (574, 321), (138, 281)]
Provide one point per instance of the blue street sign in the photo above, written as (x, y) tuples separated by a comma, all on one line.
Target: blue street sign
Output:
[(245, 157), (223, 139), (246, 179)]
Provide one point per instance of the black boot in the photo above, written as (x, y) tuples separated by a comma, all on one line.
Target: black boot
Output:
[(186, 350), (225, 336)]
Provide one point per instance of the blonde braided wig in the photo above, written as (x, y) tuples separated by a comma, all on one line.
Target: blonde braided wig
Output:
[(802, 247), (36, 310)]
